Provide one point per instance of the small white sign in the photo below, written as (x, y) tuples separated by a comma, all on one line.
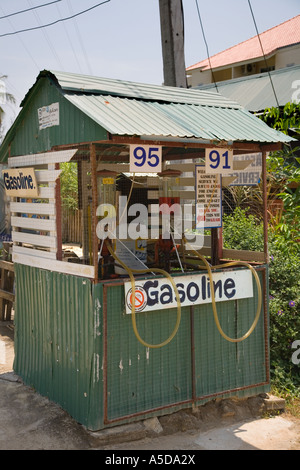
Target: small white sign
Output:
[(48, 116), (208, 199), (157, 294), (218, 160), (251, 174), (145, 159)]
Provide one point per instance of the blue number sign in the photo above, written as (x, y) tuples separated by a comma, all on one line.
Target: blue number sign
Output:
[(218, 161), (145, 159)]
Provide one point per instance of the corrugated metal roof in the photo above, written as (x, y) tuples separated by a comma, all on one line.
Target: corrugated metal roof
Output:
[(255, 92), (133, 109), (123, 116), (97, 85)]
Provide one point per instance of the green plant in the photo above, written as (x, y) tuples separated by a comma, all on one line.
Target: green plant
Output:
[(69, 186), (242, 230), (285, 119)]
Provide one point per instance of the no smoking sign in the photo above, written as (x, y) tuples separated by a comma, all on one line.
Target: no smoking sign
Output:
[(140, 299)]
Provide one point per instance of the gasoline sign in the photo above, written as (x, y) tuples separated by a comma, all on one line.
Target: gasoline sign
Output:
[(158, 294), (20, 182)]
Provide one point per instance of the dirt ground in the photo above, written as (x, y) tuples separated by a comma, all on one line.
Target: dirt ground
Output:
[(29, 421)]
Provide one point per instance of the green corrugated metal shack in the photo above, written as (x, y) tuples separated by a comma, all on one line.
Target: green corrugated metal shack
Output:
[(74, 341)]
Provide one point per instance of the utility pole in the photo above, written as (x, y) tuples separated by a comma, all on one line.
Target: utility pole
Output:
[(172, 40)]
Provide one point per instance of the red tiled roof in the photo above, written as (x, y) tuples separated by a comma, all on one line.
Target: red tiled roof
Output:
[(282, 35)]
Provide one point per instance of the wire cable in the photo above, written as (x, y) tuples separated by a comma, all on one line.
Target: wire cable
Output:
[(207, 51), (23, 43), (45, 34), (81, 42), (262, 49), (28, 9), (56, 21), (70, 42)]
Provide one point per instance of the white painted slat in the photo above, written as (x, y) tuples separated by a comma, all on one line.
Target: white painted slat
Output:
[(32, 208), (41, 158), (227, 180), (241, 164), (22, 250), (152, 194), (187, 181), (38, 240), (184, 167), (33, 223), (46, 193), (183, 194), (118, 167), (75, 269), (46, 176)]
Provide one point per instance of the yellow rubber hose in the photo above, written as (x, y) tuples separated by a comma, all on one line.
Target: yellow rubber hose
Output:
[(178, 320), (259, 303), (133, 315)]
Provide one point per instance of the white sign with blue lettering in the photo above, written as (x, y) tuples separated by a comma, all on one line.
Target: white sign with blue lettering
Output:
[(218, 160), (157, 294), (145, 159), (48, 116)]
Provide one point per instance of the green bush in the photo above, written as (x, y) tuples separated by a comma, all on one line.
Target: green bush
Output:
[(243, 231)]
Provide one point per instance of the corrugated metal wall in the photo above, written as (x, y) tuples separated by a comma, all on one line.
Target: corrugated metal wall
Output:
[(78, 127), (54, 336), (76, 345)]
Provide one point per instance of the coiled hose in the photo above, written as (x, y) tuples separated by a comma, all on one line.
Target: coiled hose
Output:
[(178, 320), (133, 315)]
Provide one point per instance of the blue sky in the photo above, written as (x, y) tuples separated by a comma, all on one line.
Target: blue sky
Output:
[(121, 38)]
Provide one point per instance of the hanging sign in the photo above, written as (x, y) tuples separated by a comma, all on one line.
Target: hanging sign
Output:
[(208, 199), (20, 182), (48, 116), (251, 170), (219, 160), (145, 159), (157, 294)]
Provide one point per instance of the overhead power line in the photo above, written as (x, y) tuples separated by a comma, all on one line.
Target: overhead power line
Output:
[(206, 45), (48, 40), (56, 21), (263, 52), (28, 9)]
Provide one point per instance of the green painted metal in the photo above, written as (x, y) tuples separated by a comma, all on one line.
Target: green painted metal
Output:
[(90, 107), (75, 344), (55, 336), (25, 137)]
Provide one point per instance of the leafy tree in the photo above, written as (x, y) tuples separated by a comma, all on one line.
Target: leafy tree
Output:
[(4, 98), (69, 185), (286, 119)]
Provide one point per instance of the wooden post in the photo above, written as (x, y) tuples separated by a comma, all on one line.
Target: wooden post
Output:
[(172, 40), (265, 204), (94, 208), (58, 217)]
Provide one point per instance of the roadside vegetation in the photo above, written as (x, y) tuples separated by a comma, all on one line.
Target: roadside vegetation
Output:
[(243, 229)]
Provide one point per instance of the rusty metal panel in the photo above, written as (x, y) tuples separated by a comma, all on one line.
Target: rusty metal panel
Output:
[(55, 336), (222, 366), (141, 379), (75, 344)]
